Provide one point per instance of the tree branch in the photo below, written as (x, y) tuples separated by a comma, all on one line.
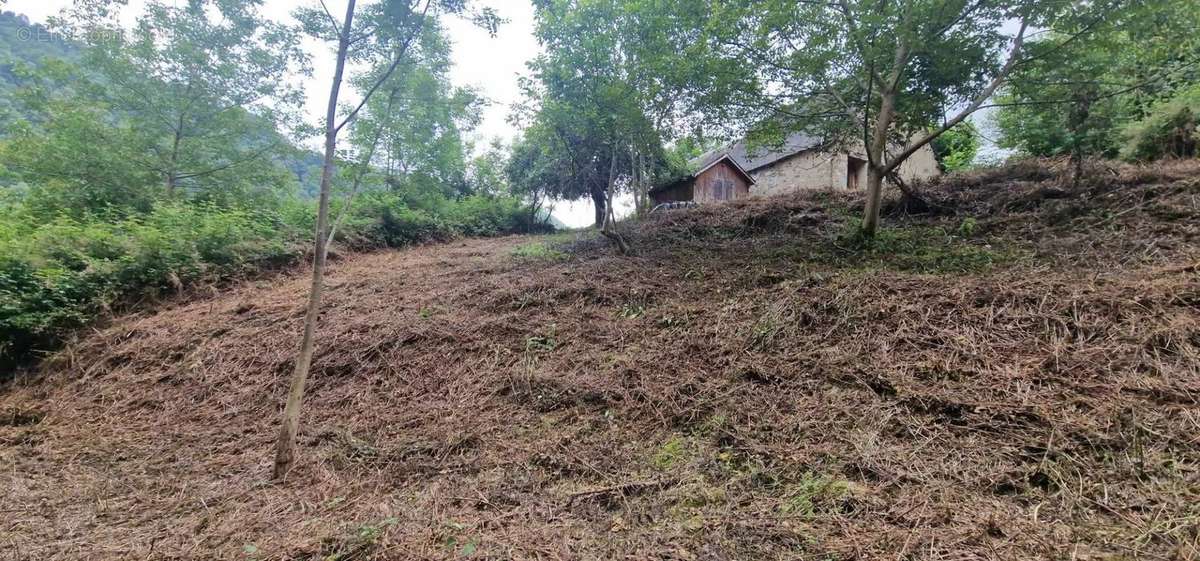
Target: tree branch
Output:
[(1001, 75), (392, 68)]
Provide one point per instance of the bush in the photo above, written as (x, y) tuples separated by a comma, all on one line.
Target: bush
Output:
[(58, 275), (1170, 129), (956, 148)]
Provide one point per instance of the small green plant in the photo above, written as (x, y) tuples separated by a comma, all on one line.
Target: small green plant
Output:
[(967, 228), (359, 543), (671, 320), (766, 330), (538, 251), (545, 341), (632, 310), (814, 494), (670, 453), (713, 424), (454, 542)]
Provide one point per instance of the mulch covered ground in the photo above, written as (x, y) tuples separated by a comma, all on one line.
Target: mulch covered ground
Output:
[(1015, 375)]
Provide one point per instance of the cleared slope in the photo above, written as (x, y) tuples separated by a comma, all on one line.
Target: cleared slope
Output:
[(1015, 377)]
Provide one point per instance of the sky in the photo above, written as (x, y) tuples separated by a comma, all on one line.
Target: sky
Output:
[(491, 65)]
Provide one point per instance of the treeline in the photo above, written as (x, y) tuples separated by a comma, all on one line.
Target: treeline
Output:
[(164, 156), (626, 89), (1129, 88)]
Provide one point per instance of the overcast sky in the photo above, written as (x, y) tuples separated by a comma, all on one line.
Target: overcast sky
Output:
[(489, 64)]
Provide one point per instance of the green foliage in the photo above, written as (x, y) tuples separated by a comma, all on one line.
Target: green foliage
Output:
[(538, 251), (23, 44), (911, 248), (1170, 129), (670, 454), (59, 273), (814, 494), (967, 228), (149, 160), (356, 544), (956, 148), (606, 91), (198, 89), (1077, 93), (828, 67), (546, 341)]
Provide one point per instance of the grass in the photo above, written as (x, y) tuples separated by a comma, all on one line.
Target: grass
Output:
[(356, 544), (545, 341), (670, 454), (538, 251), (916, 248), (814, 494)]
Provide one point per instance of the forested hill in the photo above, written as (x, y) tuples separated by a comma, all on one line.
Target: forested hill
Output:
[(24, 43)]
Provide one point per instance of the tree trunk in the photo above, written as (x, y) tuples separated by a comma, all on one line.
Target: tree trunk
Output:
[(870, 223), (285, 445), (1079, 129), (364, 166), (598, 202), (609, 229), (173, 160), (876, 166)]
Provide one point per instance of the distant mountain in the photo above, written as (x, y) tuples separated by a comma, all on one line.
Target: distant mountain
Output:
[(24, 43)]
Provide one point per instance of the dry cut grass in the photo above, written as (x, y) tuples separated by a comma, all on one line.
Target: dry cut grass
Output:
[(1016, 376)]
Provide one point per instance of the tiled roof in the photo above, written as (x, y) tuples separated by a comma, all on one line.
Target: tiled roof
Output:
[(762, 156)]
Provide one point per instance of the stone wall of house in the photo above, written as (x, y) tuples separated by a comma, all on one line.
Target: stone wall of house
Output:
[(803, 171), (826, 170), (921, 165)]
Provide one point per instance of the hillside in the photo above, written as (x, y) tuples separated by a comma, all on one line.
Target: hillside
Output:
[(24, 44), (1015, 376)]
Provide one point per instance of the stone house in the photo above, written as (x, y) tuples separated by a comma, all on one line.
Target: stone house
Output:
[(801, 163)]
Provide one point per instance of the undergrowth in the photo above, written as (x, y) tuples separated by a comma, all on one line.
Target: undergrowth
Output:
[(915, 248), (538, 251), (59, 273)]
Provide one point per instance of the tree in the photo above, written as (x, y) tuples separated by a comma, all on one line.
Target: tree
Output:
[(196, 84), (486, 173), (408, 138), (1076, 98), (1170, 129), (956, 148), (605, 95), (383, 33), (870, 73)]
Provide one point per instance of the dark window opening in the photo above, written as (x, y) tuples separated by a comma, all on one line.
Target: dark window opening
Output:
[(854, 172)]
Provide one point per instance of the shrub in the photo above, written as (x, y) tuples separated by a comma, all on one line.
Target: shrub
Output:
[(1170, 129), (956, 148), (59, 274)]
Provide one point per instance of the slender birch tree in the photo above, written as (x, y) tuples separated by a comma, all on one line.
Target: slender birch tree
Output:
[(382, 32)]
